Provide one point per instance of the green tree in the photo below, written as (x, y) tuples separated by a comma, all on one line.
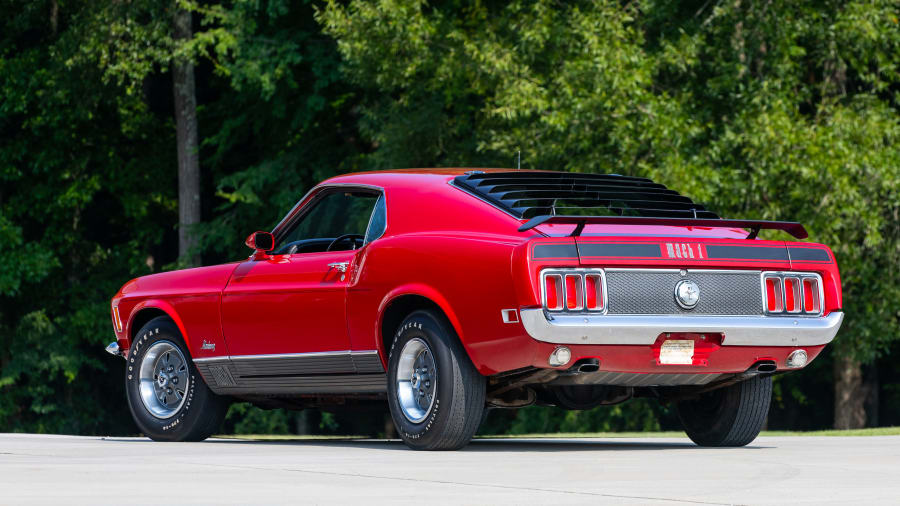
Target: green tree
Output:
[(81, 195), (88, 178)]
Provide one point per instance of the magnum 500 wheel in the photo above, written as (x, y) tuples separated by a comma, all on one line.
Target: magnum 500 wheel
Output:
[(729, 416), (167, 397), (436, 396)]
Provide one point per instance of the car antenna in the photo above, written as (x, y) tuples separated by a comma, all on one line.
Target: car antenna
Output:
[(519, 160)]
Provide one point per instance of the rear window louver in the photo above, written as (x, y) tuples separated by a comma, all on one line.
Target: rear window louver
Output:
[(526, 195)]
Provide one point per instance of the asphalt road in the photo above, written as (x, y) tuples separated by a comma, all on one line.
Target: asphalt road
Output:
[(773, 470)]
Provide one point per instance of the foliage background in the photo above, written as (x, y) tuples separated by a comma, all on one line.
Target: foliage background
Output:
[(775, 110)]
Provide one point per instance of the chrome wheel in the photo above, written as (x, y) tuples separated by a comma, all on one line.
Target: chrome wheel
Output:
[(416, 380), (163, 379)]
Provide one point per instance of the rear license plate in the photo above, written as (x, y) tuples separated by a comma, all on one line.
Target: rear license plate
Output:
[(677, 352)]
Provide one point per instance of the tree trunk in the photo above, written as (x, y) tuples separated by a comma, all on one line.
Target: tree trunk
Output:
[(188, 157), (849, 398), (871, 389)]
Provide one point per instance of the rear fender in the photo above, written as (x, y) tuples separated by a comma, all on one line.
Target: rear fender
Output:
[(422, 290)]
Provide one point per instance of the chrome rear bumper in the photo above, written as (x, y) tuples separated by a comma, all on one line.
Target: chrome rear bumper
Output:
[(644, 329)]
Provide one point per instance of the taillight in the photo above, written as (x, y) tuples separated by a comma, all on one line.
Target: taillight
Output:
[(789, 292), (774, 295), (593, 292), (552, 291), (811, 302), (792, 295), (573, 290)]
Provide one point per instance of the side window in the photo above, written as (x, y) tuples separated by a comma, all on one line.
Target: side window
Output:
[(335, 214), (378, 222)]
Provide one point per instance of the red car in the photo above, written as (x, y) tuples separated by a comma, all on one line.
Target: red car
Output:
[(450, 291)]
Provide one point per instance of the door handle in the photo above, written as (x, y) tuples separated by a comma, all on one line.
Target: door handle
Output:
[(341, 266)]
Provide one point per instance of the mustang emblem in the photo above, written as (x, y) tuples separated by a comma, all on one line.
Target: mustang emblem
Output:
[(208, 346), (687, 294)]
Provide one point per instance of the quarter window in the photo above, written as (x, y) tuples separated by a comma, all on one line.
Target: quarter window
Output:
[(378, 222)]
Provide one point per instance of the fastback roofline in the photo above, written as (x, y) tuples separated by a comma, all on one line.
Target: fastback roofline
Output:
[(795, 229)]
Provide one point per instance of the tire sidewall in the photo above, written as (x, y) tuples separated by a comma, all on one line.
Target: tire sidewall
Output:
[(423, 326), (177, 426), (710, 418), (738, 413)]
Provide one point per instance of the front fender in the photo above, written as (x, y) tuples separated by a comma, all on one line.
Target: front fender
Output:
[(163, 306)]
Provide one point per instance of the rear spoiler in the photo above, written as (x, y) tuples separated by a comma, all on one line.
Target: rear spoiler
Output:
[(791, 227)]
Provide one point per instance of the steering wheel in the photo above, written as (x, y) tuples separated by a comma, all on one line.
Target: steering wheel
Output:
[(347, 237)]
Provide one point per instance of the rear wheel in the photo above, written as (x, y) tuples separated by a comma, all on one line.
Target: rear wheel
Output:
[(167, 397), (729, 416), (436, 395)]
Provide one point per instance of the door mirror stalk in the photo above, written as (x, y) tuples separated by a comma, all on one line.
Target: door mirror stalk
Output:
[(261, 243)]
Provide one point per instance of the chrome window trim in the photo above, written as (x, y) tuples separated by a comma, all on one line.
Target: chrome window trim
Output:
[(383, 200), (299, 210)]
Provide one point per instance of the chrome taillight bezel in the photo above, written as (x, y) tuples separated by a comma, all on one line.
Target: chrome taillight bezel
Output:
[(581, 307), (800, 303)]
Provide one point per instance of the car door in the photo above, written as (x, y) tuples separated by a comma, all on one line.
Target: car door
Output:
[(293, 301)]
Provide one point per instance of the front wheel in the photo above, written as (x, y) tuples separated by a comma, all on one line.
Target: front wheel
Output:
[(729, 416), (435, 394), (167, 397)]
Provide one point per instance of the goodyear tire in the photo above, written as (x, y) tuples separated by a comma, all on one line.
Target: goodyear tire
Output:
[(167, 396), (729, 416), (436, 395)]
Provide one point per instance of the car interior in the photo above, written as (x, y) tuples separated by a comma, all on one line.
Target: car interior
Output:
[(336, 221)]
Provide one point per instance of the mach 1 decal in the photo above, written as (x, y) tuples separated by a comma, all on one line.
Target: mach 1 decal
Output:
[(684, 250)]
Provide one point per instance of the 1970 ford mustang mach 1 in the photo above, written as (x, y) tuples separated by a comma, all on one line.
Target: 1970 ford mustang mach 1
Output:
[(448, 291)]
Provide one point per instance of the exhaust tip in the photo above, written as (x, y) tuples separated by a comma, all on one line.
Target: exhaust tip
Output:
[(587, 365), (766, 366)]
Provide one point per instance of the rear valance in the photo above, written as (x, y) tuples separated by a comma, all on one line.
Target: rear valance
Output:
[(793, 228)]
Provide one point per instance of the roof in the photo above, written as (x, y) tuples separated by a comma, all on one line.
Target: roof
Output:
[(546, 199)]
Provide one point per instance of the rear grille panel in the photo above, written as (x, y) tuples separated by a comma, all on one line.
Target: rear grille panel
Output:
[(652, 292)]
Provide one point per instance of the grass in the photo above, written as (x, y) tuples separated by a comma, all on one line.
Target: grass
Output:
[(877, 431)]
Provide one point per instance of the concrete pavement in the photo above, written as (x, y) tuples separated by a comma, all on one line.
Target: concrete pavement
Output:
[(39, 469)]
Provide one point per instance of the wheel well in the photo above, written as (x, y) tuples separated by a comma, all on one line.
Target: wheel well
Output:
[(142, 317), (397, 310)]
